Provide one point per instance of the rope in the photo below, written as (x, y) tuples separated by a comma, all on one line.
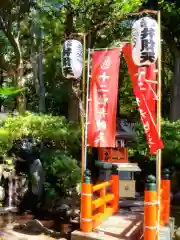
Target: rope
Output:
[(152, 203), (152, 228), (86, 219), (86, 194), (157, 225)]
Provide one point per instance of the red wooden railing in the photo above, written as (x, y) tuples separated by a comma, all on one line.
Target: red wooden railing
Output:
[(95, 211)]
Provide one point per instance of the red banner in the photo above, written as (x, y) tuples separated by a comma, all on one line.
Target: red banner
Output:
[(151, 85), (103, 98), (144, 86)]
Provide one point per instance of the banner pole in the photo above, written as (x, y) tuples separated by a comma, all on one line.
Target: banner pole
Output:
[(87, 108), (83, 105), (159, 152), (109, 48)]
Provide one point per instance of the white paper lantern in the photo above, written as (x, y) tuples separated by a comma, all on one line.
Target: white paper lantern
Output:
[(72, 59), (145, 41)]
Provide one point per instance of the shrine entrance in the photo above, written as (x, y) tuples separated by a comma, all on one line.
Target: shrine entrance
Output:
[(118, 156), (100, 199)]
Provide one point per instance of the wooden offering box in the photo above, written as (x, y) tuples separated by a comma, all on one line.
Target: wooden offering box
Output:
[(127, 183)]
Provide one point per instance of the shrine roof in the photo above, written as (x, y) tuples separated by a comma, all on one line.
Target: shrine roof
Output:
[(125, 129), (127, 167)]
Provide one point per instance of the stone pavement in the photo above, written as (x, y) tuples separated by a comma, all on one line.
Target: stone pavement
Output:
[(9, 234), (19, 236)]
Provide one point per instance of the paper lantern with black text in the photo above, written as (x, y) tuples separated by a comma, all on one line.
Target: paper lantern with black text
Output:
[(145, 41), (72, 59)]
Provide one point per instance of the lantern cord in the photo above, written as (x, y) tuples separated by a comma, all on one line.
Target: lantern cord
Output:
[(159, 152), (87, 108)]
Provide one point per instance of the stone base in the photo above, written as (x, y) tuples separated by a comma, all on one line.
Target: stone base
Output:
[(165, 233), (120, 226), (78, 235), (172, 226)]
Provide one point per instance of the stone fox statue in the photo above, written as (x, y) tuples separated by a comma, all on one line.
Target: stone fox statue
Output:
[(26, 160)]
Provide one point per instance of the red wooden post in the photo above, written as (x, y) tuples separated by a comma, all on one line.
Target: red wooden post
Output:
[(86, 204), (165, 197), (150, 209), (115, 188)]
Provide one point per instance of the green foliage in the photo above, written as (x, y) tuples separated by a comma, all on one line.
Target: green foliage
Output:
[(127, 101), (171, 20), (62, 173), (9, 91), (171, 139), (55, 130), (106, 25), (61, 149)]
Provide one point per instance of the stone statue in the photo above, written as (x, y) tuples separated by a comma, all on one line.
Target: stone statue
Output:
[(26, 159)]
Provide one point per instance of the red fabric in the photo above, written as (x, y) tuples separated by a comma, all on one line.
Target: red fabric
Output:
[(145, 94), (151, 94), (103, 98)]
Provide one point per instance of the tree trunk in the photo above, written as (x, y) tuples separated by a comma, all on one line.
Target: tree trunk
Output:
[(74, 101), (20, 80), (69, 27), (37, 62), (175, 109), (19, 72), (42, 107), (21, 99), (34, 64)]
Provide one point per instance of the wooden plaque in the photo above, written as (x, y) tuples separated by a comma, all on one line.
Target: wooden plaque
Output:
[(115, 155)]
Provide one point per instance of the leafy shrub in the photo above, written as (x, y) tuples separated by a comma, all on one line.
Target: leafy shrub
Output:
[(59, 152), (171, 139), (62, 173), (52, 129)]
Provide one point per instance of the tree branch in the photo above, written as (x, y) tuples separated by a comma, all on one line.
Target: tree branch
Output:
[(7, 30), (2, 24)]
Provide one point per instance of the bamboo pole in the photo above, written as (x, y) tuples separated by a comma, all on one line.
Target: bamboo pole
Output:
[(159, 152), (87, 109), (108, 48), (83, 105)]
